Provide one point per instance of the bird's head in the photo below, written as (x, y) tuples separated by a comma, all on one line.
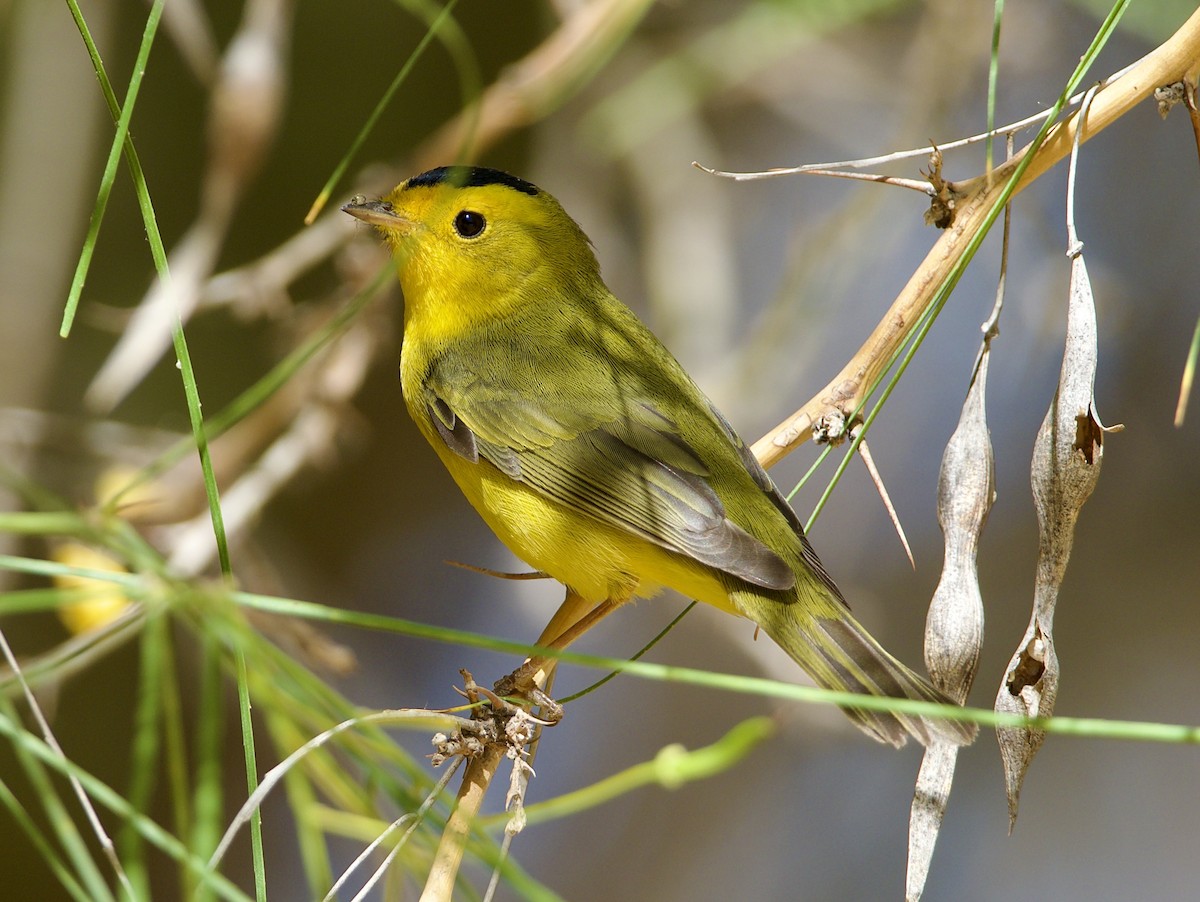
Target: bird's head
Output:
[(472, 243)]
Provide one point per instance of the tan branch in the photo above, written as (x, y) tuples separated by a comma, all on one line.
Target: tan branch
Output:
[(1178, 59), (439, 886)]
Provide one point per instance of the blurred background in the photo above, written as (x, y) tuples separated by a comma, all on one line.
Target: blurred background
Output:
[(763, 290)]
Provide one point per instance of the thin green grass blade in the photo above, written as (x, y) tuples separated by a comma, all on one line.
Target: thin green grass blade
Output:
[(62, 824), (808, 474), (30, 601), (247, 722), (384, 102), (200, 439), (208, 798), (121, 143), (157, 249), (44, 523), (672, 767), (103, 794), (175, 749), (993, 80), (38, 567), (45, 848), (145, 750), (1094, 727)]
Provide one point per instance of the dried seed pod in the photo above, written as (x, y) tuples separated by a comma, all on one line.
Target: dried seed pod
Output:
[(954, 626), (966, 490), (1066, 465)]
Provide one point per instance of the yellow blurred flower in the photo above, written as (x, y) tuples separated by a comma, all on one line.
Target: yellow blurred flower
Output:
[(104, 602)]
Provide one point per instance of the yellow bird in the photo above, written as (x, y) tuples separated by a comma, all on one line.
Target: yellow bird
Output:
[(586, 447)]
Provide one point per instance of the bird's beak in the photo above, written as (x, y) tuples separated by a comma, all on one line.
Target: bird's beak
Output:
[(378, 213)]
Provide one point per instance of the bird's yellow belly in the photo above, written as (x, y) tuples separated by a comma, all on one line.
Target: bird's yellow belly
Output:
[(596, 560)]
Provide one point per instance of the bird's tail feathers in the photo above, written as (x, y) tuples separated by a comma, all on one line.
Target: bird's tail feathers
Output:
[(840, 655)]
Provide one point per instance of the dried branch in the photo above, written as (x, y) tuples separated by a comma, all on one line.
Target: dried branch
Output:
[(1175, 60), (829, 172), (1010, 129), (868, 460), (499, 730), (439, 886)]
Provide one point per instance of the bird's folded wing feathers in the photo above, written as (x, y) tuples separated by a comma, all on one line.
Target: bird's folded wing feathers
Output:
[(763, 481), (634, 472)]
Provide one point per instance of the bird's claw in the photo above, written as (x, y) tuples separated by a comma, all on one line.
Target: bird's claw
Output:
[(520, 685)]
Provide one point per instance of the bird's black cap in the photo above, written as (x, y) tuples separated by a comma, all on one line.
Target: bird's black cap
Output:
[(471, 177)]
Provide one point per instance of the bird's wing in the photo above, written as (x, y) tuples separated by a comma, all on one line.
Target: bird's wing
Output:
[(771, 491), (630, 469)]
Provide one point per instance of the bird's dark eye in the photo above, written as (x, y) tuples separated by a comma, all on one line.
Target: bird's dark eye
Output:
[(468, 223)]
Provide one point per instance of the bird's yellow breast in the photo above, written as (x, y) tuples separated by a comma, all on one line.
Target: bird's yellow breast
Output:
[(593, 558)]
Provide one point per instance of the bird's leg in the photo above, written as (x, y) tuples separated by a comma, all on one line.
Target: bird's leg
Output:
[(574, 617)]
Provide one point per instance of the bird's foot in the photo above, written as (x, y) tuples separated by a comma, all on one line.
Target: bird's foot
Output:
[(496, 721), (522, 685)]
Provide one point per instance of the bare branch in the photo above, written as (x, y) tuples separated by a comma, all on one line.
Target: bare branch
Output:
[(1176, 59)]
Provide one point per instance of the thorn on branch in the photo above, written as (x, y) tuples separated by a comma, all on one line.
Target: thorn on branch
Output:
[(864, 453)]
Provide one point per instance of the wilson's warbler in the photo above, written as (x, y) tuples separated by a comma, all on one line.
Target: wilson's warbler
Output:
[(586, 447)]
